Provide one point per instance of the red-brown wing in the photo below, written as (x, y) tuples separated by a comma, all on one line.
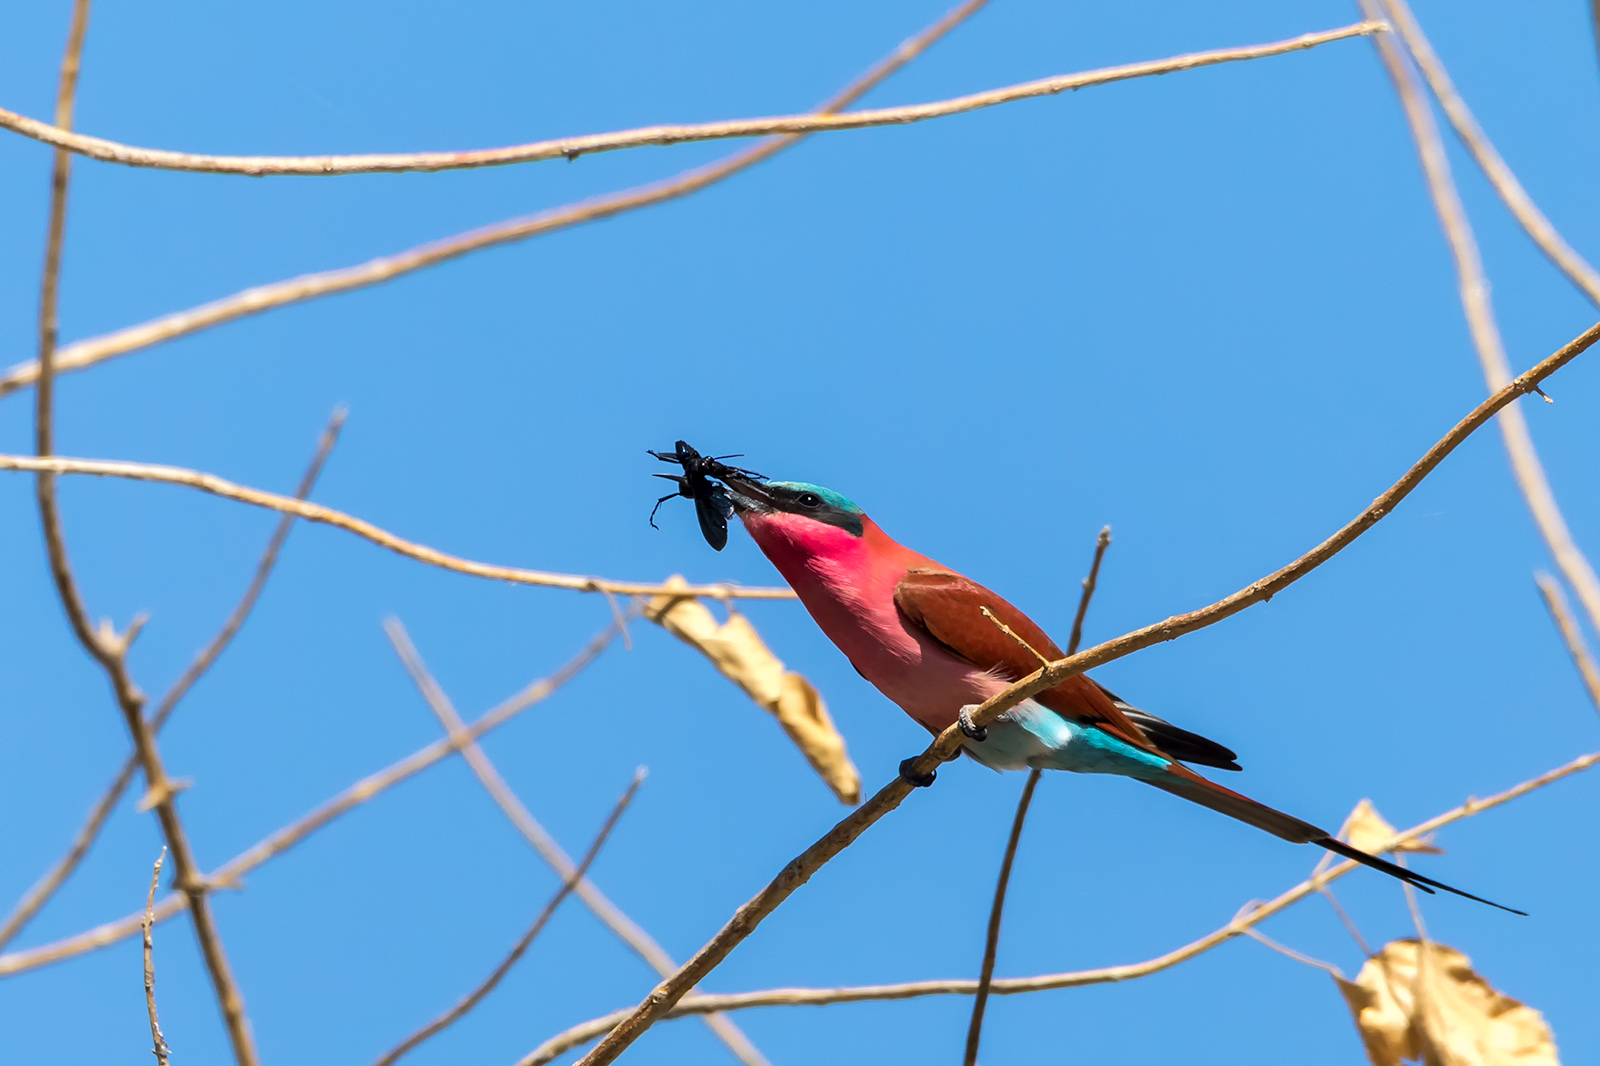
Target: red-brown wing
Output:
[(948, 608)]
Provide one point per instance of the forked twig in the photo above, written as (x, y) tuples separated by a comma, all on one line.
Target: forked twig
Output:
[(107, 647), (1474, 284), (282, 840), (991, 942), (46, 886), (611, 916), (473, 998)]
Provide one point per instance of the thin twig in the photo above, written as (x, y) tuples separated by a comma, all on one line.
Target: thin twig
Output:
[(1344, 917), (846, 832), (105, 645), (46, 886), (473, 998), (626, 929), (991, 942), (316, 512), (1474, 285), (1290, 953), (819, 997), (1014, 635), (1555, 602), (231, 873), (158, 1042), (1101, 543), (572, 147), (385, 268)]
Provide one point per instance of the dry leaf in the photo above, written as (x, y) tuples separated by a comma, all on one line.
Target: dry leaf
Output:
[(737, 651), (1368, 830), (1423, 1002)]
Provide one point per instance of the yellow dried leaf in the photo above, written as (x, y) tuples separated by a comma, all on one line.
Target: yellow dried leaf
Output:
[(739, 654), (1368, 830), (1423, 1002)]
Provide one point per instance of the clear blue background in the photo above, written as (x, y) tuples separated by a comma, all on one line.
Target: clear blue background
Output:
[(1212, 310)]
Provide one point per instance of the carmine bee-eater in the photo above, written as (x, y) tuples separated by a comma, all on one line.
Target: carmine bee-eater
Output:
[(916, 630)]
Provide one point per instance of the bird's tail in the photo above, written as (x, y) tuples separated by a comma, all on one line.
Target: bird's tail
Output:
[(1182, 781)]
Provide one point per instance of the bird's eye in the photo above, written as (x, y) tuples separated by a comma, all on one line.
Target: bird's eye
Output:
[(809, 499)]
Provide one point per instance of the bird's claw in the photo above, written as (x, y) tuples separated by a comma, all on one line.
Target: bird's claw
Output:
[(914, 779), (968, 730)]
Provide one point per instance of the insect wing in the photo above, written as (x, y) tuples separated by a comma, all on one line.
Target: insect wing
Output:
[(712, 508)]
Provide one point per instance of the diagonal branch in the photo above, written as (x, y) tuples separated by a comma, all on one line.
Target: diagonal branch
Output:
[(610, 915), (1247, 919), (847, 831), (572, 147), (40, 893), (1474, 285), (316, 512), (283, 839), (105, 645), (473, 998), (385, 268)]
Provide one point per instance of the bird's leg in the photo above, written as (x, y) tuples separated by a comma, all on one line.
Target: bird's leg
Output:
[(968, 730), (916, 780)]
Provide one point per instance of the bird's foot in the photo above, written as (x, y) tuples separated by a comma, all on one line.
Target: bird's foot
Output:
[(970, 731), (916, 780)]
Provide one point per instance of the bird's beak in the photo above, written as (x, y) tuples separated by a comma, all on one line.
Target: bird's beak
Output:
[(748, 495)]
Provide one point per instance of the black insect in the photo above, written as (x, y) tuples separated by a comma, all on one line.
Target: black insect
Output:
[(711, 503)]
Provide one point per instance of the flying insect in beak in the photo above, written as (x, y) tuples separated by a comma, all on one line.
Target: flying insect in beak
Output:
[(711, 503)]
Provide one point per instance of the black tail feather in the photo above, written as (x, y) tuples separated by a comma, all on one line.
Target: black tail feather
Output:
[(1410, 877)]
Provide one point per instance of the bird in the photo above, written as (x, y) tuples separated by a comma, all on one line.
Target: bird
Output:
[(931, 640)]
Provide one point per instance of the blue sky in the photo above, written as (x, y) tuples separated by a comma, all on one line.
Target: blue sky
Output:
[(1212, 310)]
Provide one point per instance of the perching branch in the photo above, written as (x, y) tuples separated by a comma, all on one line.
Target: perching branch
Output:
[(1248, 919), (104, 644), (991, 942), (40, 893), (473, 998), (316, 512), (571, 147), (385, 268), (624, 928), (282, 840), (1473, 283), (846, 832)]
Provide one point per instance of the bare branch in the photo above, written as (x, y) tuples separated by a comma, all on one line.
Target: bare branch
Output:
[(572, 147), (1555, 602), (282, 840), (1090, 583), (159, 1043), (991, 943), (385, 268), (316, 512), (40, 893), (1474, 285), (473, 998), (845, 833), (1248, 919), (104, 645), (610, 915)]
